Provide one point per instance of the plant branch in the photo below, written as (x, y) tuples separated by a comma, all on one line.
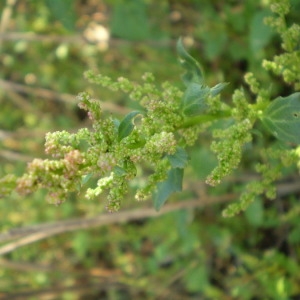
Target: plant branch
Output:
[(42, 231), (52, 95), (204, 119)]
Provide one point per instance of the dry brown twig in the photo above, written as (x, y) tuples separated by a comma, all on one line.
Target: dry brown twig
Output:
[(52, 95), (33, 234)]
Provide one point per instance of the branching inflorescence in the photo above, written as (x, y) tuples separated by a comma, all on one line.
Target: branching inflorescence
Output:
[(156, 137)]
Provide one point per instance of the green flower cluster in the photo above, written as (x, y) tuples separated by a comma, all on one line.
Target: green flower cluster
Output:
[(288, 63), (151, 143), (112, 149)]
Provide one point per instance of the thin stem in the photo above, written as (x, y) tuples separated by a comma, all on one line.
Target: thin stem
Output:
[(192, 121)]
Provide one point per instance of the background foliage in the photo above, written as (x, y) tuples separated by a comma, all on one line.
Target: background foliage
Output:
[(192, 253)]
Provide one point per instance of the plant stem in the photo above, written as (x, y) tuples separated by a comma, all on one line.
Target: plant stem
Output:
[(192, 121)]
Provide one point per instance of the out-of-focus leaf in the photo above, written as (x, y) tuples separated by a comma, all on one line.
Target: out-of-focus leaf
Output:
[(203, 162), (197, 278), (255, 213), (215, 43), (81, 243), (64, 12), (260, 34), (130, 21)]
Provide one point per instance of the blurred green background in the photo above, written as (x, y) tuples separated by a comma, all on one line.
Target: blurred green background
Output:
[(191, 253)]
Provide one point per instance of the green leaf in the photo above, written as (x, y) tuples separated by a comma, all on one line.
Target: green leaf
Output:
[(64, 12), (194, 72), (215, 42), (203, 161), (86, 178), (196, 279), (116, 123), (130, 20), (81, 243), (126, 126), (172, 184), (255, 213), (179, 159), (260, 34), (194, 99), (214, 91), (119, 171), (282, 118)]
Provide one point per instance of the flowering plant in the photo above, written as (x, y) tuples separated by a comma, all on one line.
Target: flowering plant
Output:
[(156, 138)]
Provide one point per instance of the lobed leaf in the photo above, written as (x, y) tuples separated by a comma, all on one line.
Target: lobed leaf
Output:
[(194, 99), (193, 69), (119, 171), (172, 184), (282, 118), (217, 89), (126, 126), (86, 178), (179, 159)]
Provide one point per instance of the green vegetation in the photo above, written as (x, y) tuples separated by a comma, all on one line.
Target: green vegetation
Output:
[(229, 135)]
